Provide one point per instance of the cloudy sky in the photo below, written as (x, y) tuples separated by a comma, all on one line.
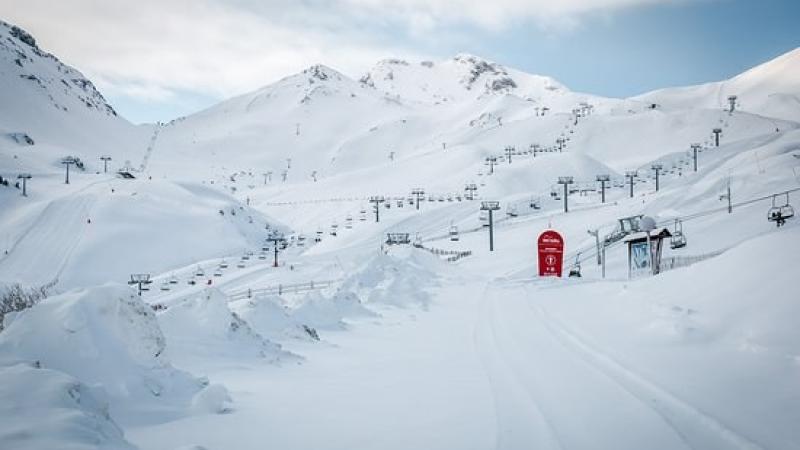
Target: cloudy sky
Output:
[(159, 59)]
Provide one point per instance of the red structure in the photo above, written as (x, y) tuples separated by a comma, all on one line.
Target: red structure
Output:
[(551, 253)]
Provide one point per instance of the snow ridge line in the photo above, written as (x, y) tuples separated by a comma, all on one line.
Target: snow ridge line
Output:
[(670, 407)]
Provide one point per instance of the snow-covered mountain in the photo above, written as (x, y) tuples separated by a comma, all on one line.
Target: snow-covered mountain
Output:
[(537, 363), (464, 77), (771, 89), (54, 106)]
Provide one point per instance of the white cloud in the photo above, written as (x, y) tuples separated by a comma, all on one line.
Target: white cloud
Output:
[(150, 49)]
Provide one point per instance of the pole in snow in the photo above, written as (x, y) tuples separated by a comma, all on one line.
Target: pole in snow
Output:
[(509, 151), (277, 240), (490, 206), (418, 193), (105, 159), (695, 148), (377, 200), (631, 174), (141, 280), (657, 168), (566, 181), (25, 177), (603, 179), (717, 132), (491, 161), (68, 161)]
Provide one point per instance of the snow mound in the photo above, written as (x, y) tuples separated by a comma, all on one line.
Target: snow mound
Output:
[(44, 408), (108, 338), (269, 316), (214, 399), (204, 325), (328, 313), (399, 277)]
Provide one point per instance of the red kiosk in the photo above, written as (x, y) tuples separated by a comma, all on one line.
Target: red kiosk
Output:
[(551, 253)]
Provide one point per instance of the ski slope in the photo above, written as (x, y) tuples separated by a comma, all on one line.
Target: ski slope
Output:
[(351, 343)]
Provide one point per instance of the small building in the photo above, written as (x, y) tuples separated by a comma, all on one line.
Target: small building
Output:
[(638, 245)]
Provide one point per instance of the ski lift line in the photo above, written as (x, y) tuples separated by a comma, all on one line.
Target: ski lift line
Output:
[(589, 253)]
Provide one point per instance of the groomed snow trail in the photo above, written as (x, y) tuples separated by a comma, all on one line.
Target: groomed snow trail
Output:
[(554, 390), (47, 241)]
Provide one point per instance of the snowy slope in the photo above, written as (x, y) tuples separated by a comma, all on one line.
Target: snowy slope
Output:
[(399, 347), (770, 89), (59, 109)]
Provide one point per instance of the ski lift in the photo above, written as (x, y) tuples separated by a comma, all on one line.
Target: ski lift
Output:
[(245, 257), (301, 240), (217, 273), (241, 265), (223, 264), (417, 241), (191, 282), (400, 203), (453, 233), (678, 239), (173, 280), (512, 211), (165, 286), (199, 272), (334, 226), (387, 205), (534, 204), (262, 256), (483, 216), (575, 271), (779, 214)]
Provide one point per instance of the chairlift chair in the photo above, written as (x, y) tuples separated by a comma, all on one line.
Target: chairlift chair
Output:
[(678, 239), (453, 233), (512, 211), (241, 265), (165, 286), (223, 264), (217, 273), (575, 271), (173, 280), (199, 272)]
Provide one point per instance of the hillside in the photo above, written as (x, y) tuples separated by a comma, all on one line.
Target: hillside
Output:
[(335, 339)]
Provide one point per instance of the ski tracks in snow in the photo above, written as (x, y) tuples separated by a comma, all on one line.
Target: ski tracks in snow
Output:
[(553, 390)]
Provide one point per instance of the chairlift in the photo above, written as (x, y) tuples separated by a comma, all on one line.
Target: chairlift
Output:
[(400, 203), (534, 204), (483, 216), (245, 257), (417, 241), (262, 256), (173, 280), (241, 265), (512, 211), (217, 273), (387, 205), (165, 286), (678, 239), (191, 282), (453, 233), (199, 272), (779, 214), (223, 264), (575, 271)]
